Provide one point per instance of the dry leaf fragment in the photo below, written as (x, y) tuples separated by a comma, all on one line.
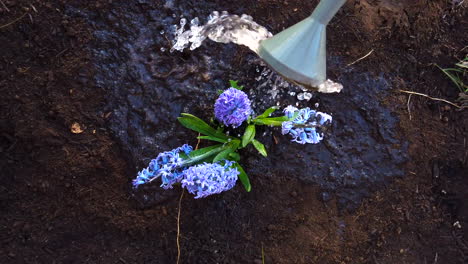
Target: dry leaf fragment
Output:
[(76, 128)]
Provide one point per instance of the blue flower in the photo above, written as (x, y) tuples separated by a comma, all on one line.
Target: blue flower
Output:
[(209, 178), (289, 111), (286, 127), (303, 128), (167, 165), (232, 107)]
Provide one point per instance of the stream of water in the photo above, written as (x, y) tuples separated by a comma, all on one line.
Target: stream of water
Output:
[(223, 28)]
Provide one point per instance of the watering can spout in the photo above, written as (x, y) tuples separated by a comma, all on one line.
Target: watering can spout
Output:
[(299, 52)]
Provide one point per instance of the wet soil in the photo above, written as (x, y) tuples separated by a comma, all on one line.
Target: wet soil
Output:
[(388, 185)]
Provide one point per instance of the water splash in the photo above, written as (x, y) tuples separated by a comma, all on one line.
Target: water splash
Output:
[(277, 85), (223, 28), (330, 86), (226, 28)]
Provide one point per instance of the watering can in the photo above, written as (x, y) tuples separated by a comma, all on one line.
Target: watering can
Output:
[(299, 52)]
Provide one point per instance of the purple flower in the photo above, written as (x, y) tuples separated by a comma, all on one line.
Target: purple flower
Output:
[(209, 178), (166, 165), (303, 128), (232, 107)]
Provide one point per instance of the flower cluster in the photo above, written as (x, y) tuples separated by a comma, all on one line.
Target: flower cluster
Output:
[(303, 128), (211, 170), (232, 107), (167, 165), (209, 178), (203, 179)]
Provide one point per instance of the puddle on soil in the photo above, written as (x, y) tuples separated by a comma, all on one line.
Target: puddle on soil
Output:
[(148, 87)]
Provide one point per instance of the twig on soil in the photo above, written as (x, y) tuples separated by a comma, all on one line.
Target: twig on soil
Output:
[(263, 255), (360, 59), (12, 22), (408, 106), (178, 226), (198, 142), (432, 98), (33, 8), (4, 6), (178, 214)]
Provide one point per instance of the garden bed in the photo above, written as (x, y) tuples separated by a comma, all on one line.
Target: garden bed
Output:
[(387, 184)]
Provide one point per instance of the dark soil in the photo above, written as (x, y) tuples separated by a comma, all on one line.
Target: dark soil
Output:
[(66, 197)]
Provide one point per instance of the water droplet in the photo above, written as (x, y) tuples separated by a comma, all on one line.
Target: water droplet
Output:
[(161, 32), (163, 49), (195, 22)]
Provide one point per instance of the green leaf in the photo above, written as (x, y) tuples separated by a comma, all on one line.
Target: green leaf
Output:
[(203, 155), (260, 147), (235, 85), (249, 134), (228, 148), (202, 151), (243, 177), (234, 156), (213, 139), (268, 112), (219, 92), (463, 64), (270, 121), (192, 122), (223, 155), (452, 77), (183, 156)]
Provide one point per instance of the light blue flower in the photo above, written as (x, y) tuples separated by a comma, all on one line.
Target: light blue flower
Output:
[(289, 111), (209, 178), (286, 127), (167, 165), (303, 128)]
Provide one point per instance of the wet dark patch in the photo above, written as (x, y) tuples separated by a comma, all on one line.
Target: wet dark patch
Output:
[(148, 88)]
